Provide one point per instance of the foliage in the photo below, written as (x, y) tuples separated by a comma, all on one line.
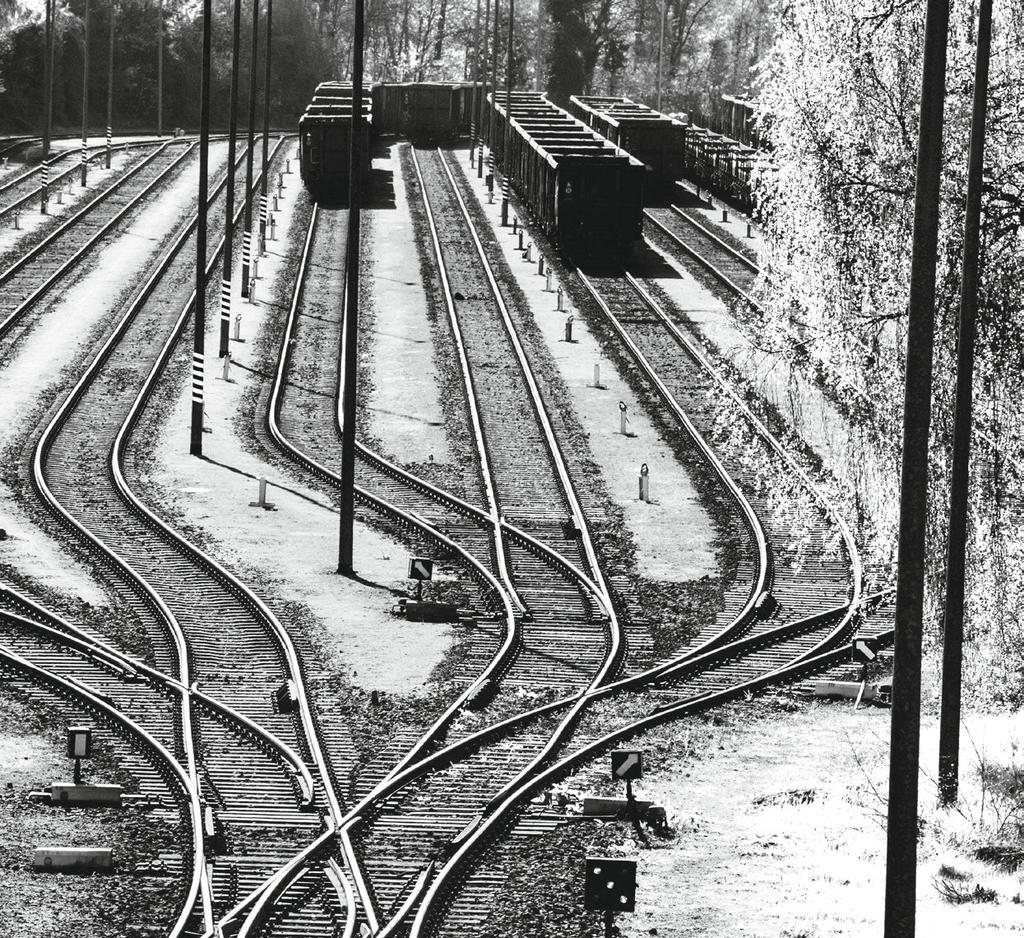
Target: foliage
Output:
[(840, 95)]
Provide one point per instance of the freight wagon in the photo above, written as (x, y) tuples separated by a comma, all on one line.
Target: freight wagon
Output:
[(325, 139)]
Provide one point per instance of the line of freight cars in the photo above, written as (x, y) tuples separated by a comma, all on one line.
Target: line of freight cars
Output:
[(672, 148), (585, 193)]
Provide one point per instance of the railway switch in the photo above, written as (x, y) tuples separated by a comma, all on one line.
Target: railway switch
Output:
[(627, 764), (287, 697), (79, 740), (420, 569)]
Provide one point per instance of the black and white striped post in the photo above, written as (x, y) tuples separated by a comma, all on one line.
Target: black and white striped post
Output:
[(229, 189), (247, 231), (266, 129), (85, 98), (508, 117), (199, 322), (44, 191), (110, 82)]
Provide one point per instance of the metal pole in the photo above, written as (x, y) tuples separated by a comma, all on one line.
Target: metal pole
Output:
[(266, 125), (160, 70), (475, 78), (492, 135), (247, 195), (351, 323), (85, 95), (483, 89), (661, 49), (901, 833), (508, 117), (229, 189), (953, 624), (110, 80), (44, 194), (199, 331)]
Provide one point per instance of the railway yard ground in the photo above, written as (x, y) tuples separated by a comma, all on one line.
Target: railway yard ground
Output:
[(775, 803)]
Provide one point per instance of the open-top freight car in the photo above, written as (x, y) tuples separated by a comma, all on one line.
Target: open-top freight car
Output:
[(653, 138), (423, 111), (325, 139), (585, 193)]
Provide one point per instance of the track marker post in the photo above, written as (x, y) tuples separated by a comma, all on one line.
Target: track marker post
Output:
[(645, 484), (560, 301), (623, 419)]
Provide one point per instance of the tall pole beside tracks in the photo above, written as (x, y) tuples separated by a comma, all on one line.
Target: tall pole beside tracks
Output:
[(492, 135), (661, 48), (160, 69), (266, 123), (199, 322), (85, 98), (483, 92), (508, 117), (475, 78), (247, 195), (904, 752), (110, 80), (229, 189), (44, 193), (350, 340), (953, 620)]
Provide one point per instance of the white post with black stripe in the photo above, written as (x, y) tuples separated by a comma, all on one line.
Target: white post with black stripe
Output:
[(44, 187), (246, 261), (263, 225)]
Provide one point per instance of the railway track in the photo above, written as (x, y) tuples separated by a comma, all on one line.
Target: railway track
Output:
[(253, 752), (36, 272)]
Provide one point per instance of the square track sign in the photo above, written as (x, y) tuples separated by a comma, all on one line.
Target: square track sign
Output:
[(610, 885), (627, 764), (421, 568), (79, 742), (864, 649)]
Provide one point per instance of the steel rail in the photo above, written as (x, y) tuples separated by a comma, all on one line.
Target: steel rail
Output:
[(763, 577), (483, 458), (99, 151), (76, 258), (491, 826), (115, 718), (579, 518), (149, 595), (823, 500)]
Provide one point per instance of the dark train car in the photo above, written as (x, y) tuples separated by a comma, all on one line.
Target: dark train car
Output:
[(584, 192), (653, 138), (325, 140), (419, 110)]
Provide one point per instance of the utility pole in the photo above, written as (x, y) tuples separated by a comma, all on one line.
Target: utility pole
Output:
[(160, 70), (483, 90), (350, 341), (266, 127), (474, 77), (904, 752), (110, 80), (229, 189), (85, 98), (506, 156), (44, 188), (247, 195), (492, 135), (661, 49), (199, 322), (953, 620)]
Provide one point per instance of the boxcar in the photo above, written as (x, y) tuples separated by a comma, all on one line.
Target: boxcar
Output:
[(325, 139), (585, 193)]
